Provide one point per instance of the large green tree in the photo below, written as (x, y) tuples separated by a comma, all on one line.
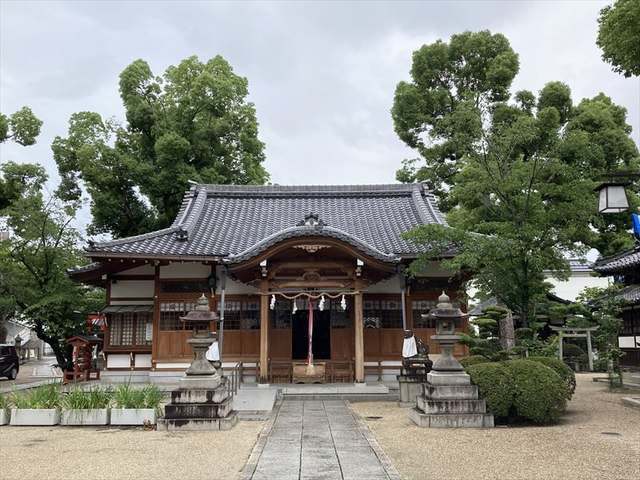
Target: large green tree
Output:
[(22, 127), (514, 172), (619, 36), (34, 263), (193, 123)]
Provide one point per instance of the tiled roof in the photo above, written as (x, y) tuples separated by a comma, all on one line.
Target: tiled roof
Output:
[(620, 262), (239, 222), (630, 294)]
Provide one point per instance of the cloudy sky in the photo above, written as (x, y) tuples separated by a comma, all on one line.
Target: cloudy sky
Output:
[(321, 74)]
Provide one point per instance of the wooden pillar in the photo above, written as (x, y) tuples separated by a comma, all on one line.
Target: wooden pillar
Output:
[(359, 335), (156, 316), (264, 332), (589, 351)]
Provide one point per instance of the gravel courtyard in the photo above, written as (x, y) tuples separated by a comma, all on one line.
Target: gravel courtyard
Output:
[(581, 447), (81, 453)]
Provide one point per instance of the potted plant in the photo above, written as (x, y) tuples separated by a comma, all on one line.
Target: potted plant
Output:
[(4, 410), (135, 406), (37, 406), (90, 407)]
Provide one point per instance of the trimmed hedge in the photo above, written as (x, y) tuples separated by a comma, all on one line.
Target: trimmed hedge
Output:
[(496, 385), (562, 369), (473, 360), (540, 394)]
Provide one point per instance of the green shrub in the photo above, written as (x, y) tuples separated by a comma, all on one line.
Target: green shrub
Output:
[(561, 368), (78, 399), (473, 360), (540, 395), (44, 396), (495, 384), (4, 402), (601, 365)]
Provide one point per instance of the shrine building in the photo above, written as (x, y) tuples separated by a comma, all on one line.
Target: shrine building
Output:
[(285, 261)]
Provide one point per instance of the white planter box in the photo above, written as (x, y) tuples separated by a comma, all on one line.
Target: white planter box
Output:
[(35, 416), (132, 416), (96, 416), (4, 416)]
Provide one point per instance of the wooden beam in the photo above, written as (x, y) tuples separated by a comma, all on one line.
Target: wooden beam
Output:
[(359, 335), (264, 332)]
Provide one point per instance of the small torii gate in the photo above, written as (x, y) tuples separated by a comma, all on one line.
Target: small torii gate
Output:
[(576, 332)]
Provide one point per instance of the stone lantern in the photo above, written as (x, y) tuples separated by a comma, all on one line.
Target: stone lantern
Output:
[(448, 398), (447, 319), (201, 373)]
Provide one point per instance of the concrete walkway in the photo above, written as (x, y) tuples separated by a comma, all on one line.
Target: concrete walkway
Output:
[(320, 440)]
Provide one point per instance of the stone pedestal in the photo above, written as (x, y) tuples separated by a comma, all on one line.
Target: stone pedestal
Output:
[(199, 409), (409, 387), (203, 401)]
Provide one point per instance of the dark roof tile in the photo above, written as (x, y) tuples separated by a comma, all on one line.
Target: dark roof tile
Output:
[(230, 220)]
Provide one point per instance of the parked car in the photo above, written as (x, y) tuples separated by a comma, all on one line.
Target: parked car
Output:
[(9, 362)]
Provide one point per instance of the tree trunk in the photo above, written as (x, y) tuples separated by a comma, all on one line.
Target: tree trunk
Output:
[(507, 332), (63, 353)]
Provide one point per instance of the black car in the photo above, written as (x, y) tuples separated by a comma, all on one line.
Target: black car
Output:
[(9, 362)]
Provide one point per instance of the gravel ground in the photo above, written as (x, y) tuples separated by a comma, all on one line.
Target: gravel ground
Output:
[(574, 449), (81, 453)]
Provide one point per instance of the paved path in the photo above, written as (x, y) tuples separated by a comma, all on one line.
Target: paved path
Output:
[(320, 440)]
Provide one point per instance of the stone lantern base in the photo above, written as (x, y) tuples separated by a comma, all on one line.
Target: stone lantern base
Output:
[(203, 401), (449, 400), (196, 408)]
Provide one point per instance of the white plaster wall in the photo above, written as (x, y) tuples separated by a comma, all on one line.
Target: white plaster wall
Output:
[(570, 289), (146, 269), (142, 360), (389, 285), (628, 342), (118, 360), (132, 288), (185, 270), (233, 287)]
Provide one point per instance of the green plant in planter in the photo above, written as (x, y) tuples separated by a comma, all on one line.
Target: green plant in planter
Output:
[(4, 402), (561, 368), (152, 396), (95, 398), (540, 394), (45, 396), (126, 396), (495, 384)]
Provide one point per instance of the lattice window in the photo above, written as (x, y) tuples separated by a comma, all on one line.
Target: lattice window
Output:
[(250, 315), (128, 328), (339, 318), (115, 330), (281, 314), (631, 322), (382, 313), (170, 313), (419, 308), (232, 314)]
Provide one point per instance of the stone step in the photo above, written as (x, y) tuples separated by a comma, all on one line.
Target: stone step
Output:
[(184, 396), (198, 424), (451, 406), (451, 420), (197, 410), (446, 392)]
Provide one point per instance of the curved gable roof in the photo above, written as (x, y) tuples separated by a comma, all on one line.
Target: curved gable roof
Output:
[(229, 221)]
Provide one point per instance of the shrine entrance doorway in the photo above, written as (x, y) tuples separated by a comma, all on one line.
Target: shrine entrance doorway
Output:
[(320, 340)]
